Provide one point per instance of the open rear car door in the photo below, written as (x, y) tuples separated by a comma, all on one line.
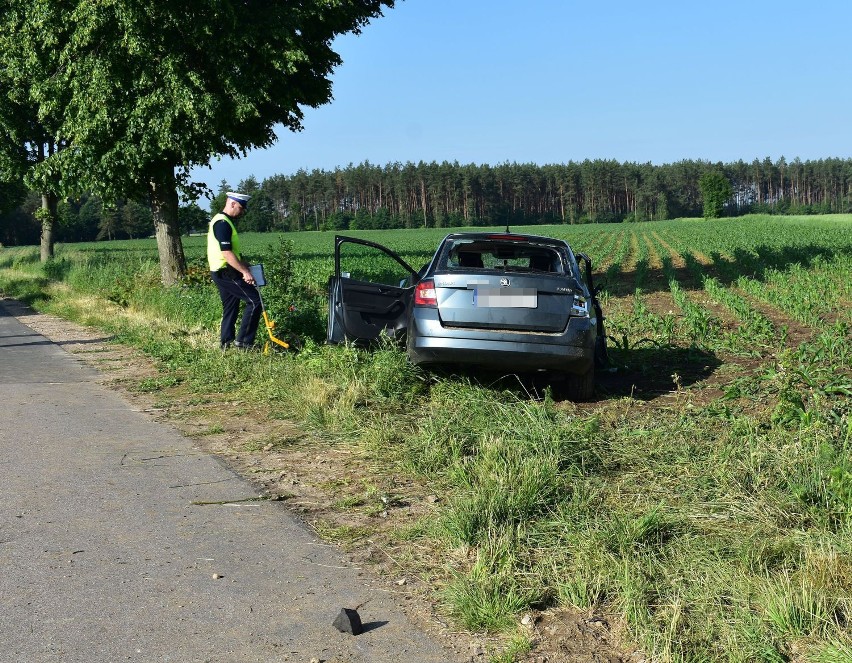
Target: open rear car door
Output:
[(370, 292)]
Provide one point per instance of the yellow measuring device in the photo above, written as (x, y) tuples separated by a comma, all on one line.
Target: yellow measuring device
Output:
[(270, 325), (260, 280)]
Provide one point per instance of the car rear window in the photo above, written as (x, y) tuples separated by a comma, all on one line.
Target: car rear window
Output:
[(508, 256)]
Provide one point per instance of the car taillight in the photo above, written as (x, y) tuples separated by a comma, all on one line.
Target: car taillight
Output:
[(424, 294), (580, 307)]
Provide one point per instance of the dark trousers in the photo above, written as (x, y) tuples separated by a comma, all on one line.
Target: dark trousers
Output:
[(232, 291)]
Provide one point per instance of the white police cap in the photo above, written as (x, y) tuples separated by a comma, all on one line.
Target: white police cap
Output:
[(241, 198)]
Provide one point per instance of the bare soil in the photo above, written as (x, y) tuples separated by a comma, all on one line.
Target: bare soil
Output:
[(345, 498)]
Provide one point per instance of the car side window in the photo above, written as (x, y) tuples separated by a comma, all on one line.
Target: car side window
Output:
[(370, 265)]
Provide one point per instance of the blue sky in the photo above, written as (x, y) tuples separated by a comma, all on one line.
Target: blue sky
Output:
[(552, 81)]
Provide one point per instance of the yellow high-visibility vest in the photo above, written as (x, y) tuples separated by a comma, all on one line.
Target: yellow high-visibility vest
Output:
[(215, 258)]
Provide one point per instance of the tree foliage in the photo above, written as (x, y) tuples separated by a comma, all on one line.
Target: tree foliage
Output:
[(142, 92), (449, 194), (716, 191), (29, 134)]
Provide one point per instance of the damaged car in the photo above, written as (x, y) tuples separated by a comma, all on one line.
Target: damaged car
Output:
[(507, 302)]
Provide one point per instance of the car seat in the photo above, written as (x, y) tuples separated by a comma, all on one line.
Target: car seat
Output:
[(540, 263)]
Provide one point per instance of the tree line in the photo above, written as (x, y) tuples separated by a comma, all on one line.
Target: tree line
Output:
[(593, 191), (88, 219), (410, 195)]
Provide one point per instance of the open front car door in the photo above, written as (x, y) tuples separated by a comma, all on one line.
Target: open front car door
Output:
[(369, 293), (601, 354)]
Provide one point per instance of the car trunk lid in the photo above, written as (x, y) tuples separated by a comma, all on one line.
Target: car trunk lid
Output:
[(512, 301)]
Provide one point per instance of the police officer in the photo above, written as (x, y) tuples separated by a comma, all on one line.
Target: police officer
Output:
[(232, 275)]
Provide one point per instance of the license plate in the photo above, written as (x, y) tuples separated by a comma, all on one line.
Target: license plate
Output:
[(505, 297)]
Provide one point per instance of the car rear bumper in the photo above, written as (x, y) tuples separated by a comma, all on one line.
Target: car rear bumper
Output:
[(571, 351)]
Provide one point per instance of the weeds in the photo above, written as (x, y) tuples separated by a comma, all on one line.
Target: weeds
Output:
[(490, 594)]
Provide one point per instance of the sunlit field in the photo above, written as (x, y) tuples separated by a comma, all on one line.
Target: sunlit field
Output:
[(704, 496)]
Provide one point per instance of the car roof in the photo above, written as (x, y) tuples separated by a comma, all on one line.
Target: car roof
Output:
[(505, 236)]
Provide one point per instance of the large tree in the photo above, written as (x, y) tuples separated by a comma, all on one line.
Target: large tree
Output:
[(29, 135), (146, 91), (716, 191)]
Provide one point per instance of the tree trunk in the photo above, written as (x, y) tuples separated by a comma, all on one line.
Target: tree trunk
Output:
[(423, 198), (49, 204), (164, 206)]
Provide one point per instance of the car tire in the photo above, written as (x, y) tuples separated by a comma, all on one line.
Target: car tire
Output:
[(330, 322), (580, 387), (408, 344)]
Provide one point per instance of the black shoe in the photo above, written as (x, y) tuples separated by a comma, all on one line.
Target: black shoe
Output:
[(224, 345), (245, 347)]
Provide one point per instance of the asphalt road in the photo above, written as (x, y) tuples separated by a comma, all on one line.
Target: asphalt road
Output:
[(106, 554)]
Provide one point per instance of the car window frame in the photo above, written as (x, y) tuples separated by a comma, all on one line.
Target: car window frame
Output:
[(569, 267), (339, 240)]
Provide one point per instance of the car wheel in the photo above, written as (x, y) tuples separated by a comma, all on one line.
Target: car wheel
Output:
[(409, 344), (580, 387)]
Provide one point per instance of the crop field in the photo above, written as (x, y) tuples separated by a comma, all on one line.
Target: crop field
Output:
[(703, 497)]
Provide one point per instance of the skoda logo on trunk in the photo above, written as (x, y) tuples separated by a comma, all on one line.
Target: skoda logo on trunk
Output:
[(504, 282)]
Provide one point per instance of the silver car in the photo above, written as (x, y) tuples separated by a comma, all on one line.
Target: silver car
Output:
[(499, 301)]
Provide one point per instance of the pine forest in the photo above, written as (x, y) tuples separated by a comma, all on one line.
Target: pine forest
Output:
[(435, 195)]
